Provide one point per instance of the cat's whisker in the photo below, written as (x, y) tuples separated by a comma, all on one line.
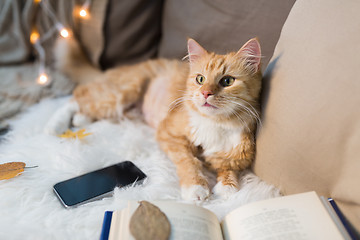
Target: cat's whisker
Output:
[(245, 104), (187, 57), (178, 101), (175, 103), (247, 108), (183, 91), (254, 111), (231, 111)]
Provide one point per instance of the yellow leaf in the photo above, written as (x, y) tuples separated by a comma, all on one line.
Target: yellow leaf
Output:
[(78, 134), (67, 134), (11, 169)]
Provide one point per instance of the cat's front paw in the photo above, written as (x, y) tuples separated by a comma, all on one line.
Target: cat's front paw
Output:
[(195, 193), (224, 191), (55, 128)]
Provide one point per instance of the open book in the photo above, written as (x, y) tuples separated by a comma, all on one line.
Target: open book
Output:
[(300, 216)]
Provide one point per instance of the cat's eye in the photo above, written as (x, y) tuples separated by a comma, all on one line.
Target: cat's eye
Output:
[(227, 81), (200, 79)]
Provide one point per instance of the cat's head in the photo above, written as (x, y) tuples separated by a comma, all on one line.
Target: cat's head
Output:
[(224, 86)]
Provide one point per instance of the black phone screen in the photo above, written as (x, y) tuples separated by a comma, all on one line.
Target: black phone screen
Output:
[(97, 184)]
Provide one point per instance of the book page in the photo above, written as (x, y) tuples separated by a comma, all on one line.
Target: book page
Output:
[(300, 216), (119, 228), (187, 221)]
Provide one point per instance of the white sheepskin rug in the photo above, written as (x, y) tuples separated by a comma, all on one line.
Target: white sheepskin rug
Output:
[(29, 208)]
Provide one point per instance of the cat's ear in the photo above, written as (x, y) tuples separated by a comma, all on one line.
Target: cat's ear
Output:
[(251, 54), (195, 50)]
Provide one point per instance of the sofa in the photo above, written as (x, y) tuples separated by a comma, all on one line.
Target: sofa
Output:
[(308, 139), (310, 134)]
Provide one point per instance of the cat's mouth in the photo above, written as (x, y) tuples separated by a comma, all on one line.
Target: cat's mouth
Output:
[(206, 104)]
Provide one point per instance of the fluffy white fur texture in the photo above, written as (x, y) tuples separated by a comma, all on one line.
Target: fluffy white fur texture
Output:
[(30, 210)]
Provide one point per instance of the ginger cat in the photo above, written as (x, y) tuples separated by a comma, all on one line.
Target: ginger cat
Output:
[(205, 111)]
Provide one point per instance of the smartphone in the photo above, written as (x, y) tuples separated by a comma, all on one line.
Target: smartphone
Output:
[(98, 184)]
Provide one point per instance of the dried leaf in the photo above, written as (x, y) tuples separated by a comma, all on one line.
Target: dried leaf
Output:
[(78, 134), (149, 222), (11, 169)]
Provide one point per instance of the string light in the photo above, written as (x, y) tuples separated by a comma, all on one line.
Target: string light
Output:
[(83, 11), (64, 33), (43, 79), (34, 36), (36, 39)]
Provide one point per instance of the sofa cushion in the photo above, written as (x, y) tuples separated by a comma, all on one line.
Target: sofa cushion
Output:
[(132, 31), (310, 137), (222, 26)]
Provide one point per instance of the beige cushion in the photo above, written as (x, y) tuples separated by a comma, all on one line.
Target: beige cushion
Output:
[(310, 139), (222, 26)]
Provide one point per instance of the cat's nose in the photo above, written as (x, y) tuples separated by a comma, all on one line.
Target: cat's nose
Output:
[(206, 94)]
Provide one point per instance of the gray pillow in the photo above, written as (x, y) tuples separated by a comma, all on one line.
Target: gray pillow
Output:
[(132, 31)]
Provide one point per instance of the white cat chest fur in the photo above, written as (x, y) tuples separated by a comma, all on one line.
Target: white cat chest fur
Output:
[(213, 136)]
